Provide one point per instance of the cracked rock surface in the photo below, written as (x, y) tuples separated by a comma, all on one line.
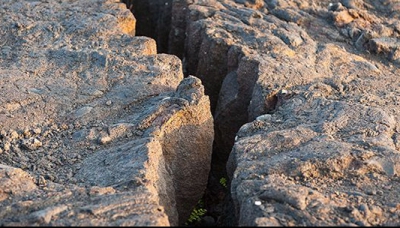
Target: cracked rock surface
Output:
[(306, 93), (96, 127)]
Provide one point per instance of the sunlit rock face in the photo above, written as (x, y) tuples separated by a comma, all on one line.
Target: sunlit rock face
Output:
[(96, 127), (306, 93)]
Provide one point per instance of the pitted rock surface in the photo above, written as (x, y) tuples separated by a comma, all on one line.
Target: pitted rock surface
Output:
[(245, 52), (99, 129), (317, 162), (96, 127), (318, 82)]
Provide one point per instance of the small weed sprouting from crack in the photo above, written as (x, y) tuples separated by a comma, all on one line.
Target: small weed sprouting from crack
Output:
[(198, 212), (224, 182)]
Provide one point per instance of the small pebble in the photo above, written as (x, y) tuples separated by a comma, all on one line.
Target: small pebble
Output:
[(37, 130), (7, 146), (13, 135), (104, 140)]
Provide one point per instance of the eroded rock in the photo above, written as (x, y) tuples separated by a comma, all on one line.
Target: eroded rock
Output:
[(110, 131), (240, 51), (305, 167), (298, 65)]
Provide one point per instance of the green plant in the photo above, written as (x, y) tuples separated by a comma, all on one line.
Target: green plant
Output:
[(224, 182), (197, 213)]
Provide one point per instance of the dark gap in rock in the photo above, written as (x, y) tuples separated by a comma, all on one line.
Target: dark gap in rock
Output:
[(154, 18)]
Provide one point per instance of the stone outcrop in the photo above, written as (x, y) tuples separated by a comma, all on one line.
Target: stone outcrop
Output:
[(232, 47), (316, 161), (96, 127), (317, 80), (99, 129)]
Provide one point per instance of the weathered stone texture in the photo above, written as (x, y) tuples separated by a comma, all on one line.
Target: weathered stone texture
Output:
[(96, 127), (316, 162), (222, 34), (317, 80)]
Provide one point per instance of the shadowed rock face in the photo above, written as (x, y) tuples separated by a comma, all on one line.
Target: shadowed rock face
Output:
[(96, 127), (154, 20)]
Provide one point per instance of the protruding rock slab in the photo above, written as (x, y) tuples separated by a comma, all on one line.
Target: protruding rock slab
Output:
[(104, 130), (316, 162), (14, 181)]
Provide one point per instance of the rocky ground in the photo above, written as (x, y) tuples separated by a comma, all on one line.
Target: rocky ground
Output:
[(297, 99), (96, 127), (316, 83)]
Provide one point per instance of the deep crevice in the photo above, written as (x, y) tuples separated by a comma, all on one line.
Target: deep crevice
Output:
[(153, 19)]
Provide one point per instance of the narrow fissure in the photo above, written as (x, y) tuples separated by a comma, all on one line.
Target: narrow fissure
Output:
[(153, 19)]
